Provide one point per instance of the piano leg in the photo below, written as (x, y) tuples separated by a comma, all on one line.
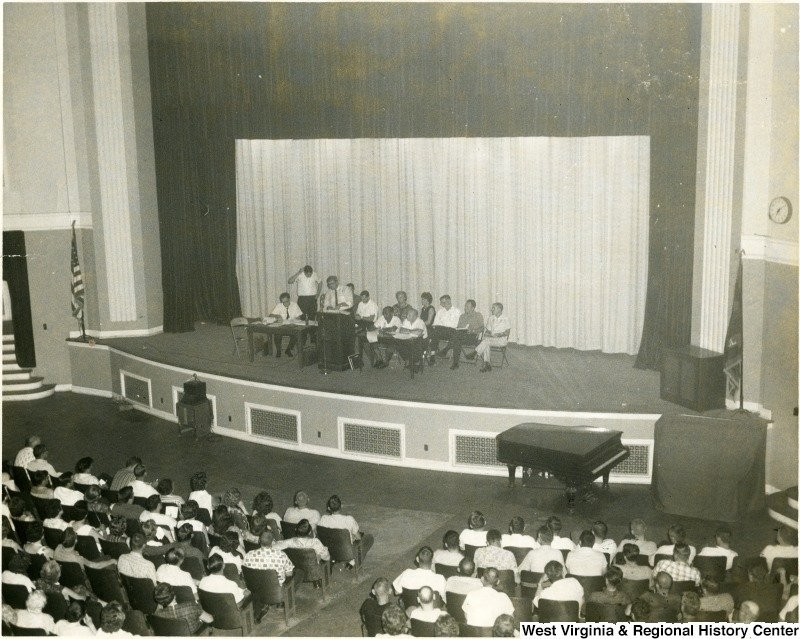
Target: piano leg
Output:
[(572, 492), (605, 479), (512, 471)]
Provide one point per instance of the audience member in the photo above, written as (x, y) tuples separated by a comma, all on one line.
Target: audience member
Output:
[(124, 476), (676, 534), (83, 472), (125, 506), (638, 531), (170, 572), (721, 547), (690, 607), (585, 561), (300, 510), (538, 558), (602, 542), (199, 494), (76, 623), (559, 542), (663, 605), (493, 555), (48, 582), (188, 515), (40, 484), (504, 626), (678, 567), (554, 586), (451, 554), (34, 538), (39, 462), (17, 572), (475, 532), (426, 611), (154, 513), (372, 608), (33, 617), (446, 626), (141, 488), (611, 594), (164, 488), (18, 509), (133, 564), (640, 611), (215, 581), (516, 537), (334, 518), (483, 605), (169, 608), (712, 599), (631, 570), (6, 539), (759, 589), (262, 505), (747, 613), (66, 493), (304, 538), (112, 618), (465, 581), (268, 558), (785, 546), (25, 456), (422, 575), (394, 622), (95, 502)]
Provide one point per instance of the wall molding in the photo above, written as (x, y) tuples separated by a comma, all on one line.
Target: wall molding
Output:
[(133, 332), (46, 221), (769, 249)]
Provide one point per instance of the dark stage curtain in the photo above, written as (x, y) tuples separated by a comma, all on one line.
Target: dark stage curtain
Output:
[(15, 272), (220, 72)]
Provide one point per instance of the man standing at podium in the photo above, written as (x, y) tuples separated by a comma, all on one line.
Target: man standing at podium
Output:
[(335, 297), (308, 289)]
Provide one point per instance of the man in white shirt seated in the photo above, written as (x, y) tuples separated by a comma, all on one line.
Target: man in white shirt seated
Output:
[(65, 493), (153, 513), (602, 542), (414, 326), (444, 324), (465, 581), (638, 530), (495, 333), (25, 455), (482, 606), (386, 324), (422, 575), (585, 561), (785, 546), (334, 518), (285, 311), (427, 611), (40, 462), (555, 587), (17, 572), (171, 572), (721, 547), (335, 297), (304, 539), (677, 535), (516, 537), (538, 558), (559, 542), (140, 487), (215, 581), (308, 290), (367, 311)]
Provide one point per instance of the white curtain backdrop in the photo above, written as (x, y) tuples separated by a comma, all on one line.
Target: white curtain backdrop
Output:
[(555, 228)]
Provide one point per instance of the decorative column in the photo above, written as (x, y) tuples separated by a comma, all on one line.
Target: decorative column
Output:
[(718, 211)]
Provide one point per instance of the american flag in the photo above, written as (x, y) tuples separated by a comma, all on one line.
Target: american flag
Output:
[(77, 280)]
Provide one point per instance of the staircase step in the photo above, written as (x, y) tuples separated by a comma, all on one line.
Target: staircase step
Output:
[(9, 348), (791, 495), (22, 384), (9, 357), (19, 375), (8, 339), (781, 510), (11, 367), (26, 396)]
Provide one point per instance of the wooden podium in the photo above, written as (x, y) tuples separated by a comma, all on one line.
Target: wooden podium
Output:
[(693, 377), (335, 335)]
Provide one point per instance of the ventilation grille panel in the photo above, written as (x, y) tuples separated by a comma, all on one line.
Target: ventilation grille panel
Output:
[(637, 464), (372, 439), (475, 450), (274, 424), (136, 390)]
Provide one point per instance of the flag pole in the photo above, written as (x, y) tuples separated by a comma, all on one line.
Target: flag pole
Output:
[(740, 301)]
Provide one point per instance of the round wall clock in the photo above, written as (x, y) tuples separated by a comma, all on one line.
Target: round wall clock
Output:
[(780, 210)]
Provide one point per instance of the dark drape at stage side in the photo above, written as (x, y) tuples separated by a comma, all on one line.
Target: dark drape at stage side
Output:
[(220, 72), (15, 272)]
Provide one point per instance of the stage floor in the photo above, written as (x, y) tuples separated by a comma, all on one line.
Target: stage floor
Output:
[(536, 378)]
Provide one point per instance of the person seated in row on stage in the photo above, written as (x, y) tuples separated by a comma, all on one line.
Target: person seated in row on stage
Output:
[(367, 310), (638, 530), (413, 325), (677, 535), (467, 333), (352, 288), (285, 311), (386, 324), (309, 286), (586, 561), (721, 547), (426, 312), (496, 332), (444, 324), (401, 308), (335, 297)]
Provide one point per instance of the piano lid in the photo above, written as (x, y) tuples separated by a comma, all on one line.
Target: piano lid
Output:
[(571, 440)]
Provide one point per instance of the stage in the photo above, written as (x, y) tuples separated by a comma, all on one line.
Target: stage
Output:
[(442, 419)]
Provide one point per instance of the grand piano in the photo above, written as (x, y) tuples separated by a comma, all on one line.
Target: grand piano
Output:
[(575, 455)]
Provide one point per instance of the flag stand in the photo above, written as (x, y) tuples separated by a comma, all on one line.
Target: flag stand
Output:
[(737, 316)]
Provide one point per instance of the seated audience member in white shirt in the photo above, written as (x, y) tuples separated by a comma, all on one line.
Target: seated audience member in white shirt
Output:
[(285, 311), (475, 532), (300, 510), (638, 530), (386, 324), (140, 487), (304, 539), (422, 575), (602, 542), (516, 537), (17, 572), (171, 572), (153, 513), (25, 455), (465, 581), (65, 493), (676, 534), (585, 561), (785, 546), (83, 473), (40, 454), (308, 290), (188, 515), (450, 555), (335, 297), (334, 518), (445, 322), (367, 310), (721, 547), (197, 484), (426, 611), (538, 558), (215, 581), (561, 588), (495, 333), (482, 606), (559, 542)]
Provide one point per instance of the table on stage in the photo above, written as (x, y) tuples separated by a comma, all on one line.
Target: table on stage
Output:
[(301, 330), (411, 344)]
